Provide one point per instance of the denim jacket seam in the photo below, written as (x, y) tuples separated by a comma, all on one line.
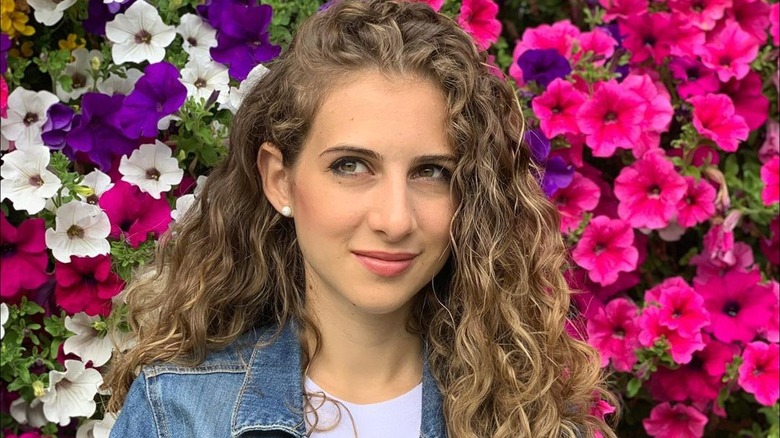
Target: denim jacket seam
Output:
[(154, 397), (267, 427), (224, 367), (234, 417)]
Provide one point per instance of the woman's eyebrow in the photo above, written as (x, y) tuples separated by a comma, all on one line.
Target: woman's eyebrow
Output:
[(420, 159)]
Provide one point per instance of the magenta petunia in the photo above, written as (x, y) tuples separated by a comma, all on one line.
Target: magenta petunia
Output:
[(678, 421), (774, 23), (653, 328), (134, 214), (557, 108), (686, 39), (478, 19), (24, 257), (719, 243), (770, 175), (648, 36), (759, 373), (612, 118), (749, 100), (770, 245), (714, 117), (742, 255), (659, 112), (772, 330), (693, 78), (599, 42), (771, 145), (739, 305), (605, 249), (435, 4), (753, 16), (700, 380), (698, 203), (574, 200), (613, 331), (559, 36), (729, 51), (623, 8), (681, 307), (86, 285), (700, 13), (649, 191)]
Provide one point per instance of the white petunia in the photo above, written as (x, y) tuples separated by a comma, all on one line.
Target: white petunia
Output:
[(4, 315), (50, 12), (88, 343), (116, 84), (80, 230), (152, 168), (198, 36), (97, 428), (30, 414), (99, 182), (26, 181), (184, 203), (202, 76), (71, 393), (80, 72), (26, 115), (237, 94), (139, 34)]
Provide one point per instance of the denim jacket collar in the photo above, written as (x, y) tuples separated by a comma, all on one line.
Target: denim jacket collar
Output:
[(271, 396)]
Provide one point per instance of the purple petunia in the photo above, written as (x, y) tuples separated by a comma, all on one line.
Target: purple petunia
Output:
[(557, 173), (59, 121), (5, 46), (158, 93), (98, 134), (242, 34), (100, 13), (543, 66)]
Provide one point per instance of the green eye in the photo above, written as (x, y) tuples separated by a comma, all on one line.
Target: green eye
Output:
[(348, 167), (433, 172)]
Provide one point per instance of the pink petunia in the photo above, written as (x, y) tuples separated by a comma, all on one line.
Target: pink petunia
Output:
[(3, 97), (24, 257), (749, 100), (770, 245), (771, 332), (774, 23), (134, 214), (612, 118), (770, 176), (753, 16), (686, 39), (681, 307), (559, 36), (478, 19), (739, 305), (653, 328), (698, 204), (702, 14), (742, 255), (557, 108), (649, 191), (605, 249), (623, 8), (435, 4), (700, 380), (574, 200), (86, 284), (613, 331), (659, 112), (714, 117), (771, 146), (693, 78), (678, 421), (759, 373), (599, 42), (729, 51), (648, 36)]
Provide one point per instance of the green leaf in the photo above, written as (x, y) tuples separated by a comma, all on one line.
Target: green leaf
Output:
[(632, 389)]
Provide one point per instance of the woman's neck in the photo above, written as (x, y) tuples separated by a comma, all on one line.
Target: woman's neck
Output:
[(363, 358)]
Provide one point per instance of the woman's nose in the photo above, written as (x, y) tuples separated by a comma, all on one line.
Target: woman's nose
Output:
[(392, 209)]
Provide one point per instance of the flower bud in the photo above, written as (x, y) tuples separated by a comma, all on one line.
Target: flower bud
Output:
[(38, 389), (94, 63)]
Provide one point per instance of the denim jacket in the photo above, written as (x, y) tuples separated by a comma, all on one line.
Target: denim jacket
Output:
[(246, 390)]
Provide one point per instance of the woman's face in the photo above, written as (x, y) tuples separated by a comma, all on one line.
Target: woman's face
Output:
[(370, 194)]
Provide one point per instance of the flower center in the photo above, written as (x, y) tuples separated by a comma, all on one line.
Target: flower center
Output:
[(30, 118), (759, 370), (143, 37), (153, 174), (561, 201), (618, 332), (92, 199), (725, 60), (89, 279), (7, 249), (79, 80), (692, 73), (697, 7), (557, 109), (649, 40), (654, 191), (689, 200), (193, 42), (35, 181), (200, 83), (610, 117), (731, 309), (599, 248), (75, 232)]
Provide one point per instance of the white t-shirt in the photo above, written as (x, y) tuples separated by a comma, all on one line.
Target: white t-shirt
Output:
[(397, 418)]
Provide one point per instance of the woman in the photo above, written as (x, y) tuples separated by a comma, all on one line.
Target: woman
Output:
[(374, 258)]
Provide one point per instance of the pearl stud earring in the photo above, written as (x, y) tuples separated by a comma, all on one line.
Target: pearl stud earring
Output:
[(286, 211)]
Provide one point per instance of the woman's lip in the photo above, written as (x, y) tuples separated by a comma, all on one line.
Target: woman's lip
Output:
[(383, 267)]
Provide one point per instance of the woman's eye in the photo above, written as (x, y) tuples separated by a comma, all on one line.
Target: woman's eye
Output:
[(433, 172), (348, 166)]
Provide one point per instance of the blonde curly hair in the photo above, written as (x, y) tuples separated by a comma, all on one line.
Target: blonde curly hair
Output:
[(494, 319)]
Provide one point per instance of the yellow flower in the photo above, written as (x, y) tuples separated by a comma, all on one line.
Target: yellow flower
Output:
[(71, 43), (14, 22)]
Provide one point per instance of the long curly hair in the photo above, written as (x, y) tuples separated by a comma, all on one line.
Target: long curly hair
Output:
[(494, 319)]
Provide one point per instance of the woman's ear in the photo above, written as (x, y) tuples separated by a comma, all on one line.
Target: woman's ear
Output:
[(275, 177)]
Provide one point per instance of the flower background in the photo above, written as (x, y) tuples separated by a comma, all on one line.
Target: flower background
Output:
[(655, 123)]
